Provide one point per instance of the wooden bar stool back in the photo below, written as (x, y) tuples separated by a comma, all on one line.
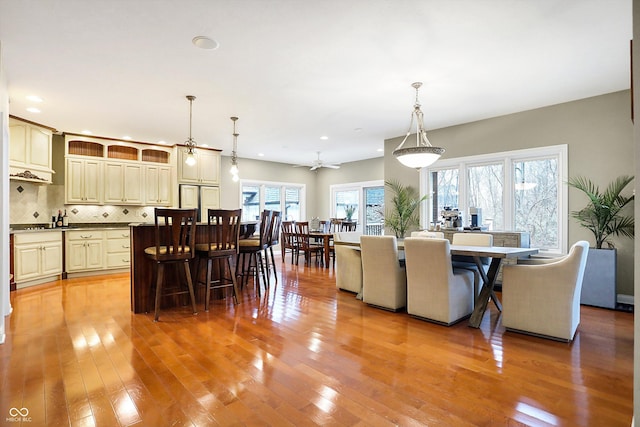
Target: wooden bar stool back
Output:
[(223, 232), (175, 235), (274, 232)]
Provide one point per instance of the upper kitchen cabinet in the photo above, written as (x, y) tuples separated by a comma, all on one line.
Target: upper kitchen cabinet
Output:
[(29, 151), (116, 172), (206, 171)]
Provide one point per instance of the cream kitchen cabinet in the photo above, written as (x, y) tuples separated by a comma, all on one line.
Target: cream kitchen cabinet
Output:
[(118, 248), (37, 257), (157, 189), (83, 181), (84, 250), (30, 150), (205, 171), (123, 183)]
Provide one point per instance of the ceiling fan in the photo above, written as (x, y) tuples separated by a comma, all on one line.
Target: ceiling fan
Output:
[(318, 163)]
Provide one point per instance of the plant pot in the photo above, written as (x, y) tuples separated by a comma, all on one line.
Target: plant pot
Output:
[(599, 282)]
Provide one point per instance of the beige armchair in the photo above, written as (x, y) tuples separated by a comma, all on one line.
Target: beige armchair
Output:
[(435, 290), (428, 234), (384, 282), (466, 262), (544, 300), (348, 262)]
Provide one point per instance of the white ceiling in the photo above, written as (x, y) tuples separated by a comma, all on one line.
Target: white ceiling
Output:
[(295, 70)]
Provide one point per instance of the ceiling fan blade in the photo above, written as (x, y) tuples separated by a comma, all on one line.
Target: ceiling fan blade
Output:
[(314, 167), (332, 166)]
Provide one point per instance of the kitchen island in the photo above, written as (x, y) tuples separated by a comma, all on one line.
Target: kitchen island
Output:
[(143, 236)]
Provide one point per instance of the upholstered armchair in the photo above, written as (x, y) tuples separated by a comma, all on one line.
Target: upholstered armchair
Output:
[(435, 290), (466, 262), (348, 262), (428, 234), (384, 282), (544, 299)]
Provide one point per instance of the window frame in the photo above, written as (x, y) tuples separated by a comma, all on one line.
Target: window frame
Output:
[(283, 186), (359, 186), (507, 158)]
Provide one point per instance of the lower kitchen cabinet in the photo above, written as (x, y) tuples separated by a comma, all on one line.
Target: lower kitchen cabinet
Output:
[(84, 250), (37, 257), (118, 248)]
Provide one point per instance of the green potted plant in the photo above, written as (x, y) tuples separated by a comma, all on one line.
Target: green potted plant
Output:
[(349, 210), (406, 202), (605, 215)]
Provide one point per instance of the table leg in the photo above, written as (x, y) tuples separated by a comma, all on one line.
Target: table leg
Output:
[(327, 254), (486, 293)]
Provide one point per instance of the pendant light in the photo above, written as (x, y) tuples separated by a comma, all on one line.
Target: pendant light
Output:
[(423, 153), (190, 158), (234, 155)]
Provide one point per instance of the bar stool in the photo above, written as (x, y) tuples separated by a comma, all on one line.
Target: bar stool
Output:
[(223, 232), (253, 247), (274, 231), (175, 235)]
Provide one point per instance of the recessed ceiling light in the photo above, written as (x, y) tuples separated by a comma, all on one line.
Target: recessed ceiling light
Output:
[(126, 137), (260, 154), (358, 129), (34, 98), (204, 145), (162, 142), (204, 42), (380, 150), (33, 110), (87, 132), (324, 137)]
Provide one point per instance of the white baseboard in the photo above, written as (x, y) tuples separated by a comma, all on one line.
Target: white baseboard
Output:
[(625, 299)]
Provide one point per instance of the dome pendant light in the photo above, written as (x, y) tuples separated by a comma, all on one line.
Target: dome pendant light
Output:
[(423, 153), (190, 158)]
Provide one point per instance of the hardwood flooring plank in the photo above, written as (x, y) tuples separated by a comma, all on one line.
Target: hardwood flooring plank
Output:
[(303, 354)]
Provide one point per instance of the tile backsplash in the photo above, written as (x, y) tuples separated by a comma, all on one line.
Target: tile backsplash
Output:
[(31, 203)]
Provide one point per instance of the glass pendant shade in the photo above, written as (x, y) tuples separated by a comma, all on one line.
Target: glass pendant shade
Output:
[(423, 153)]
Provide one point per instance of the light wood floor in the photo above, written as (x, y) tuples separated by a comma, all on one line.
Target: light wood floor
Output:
[(305, 354)]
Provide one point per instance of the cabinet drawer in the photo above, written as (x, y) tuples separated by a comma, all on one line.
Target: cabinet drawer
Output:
[(118, 245), (118, 234), (118, 259), (85, 235), (37, 237)]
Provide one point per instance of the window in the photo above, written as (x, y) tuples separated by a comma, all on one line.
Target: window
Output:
[(258, 196), (520, 190), (367, 201)]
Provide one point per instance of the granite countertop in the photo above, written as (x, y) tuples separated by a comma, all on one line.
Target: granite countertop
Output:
[(30, 228)]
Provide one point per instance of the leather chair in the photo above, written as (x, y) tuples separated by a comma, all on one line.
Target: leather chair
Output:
[(175, 236), (348, 262), (223, 233), (544, 300), (435, 290), (384, 282)]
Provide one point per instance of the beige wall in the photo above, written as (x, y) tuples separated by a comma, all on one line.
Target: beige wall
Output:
[(265, 171), (364, 170), (599, 135)]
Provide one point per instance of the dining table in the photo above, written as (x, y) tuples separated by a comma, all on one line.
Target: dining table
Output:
[(486, 294)]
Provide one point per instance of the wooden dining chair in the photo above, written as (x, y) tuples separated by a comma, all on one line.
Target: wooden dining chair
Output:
[(288, 241), (223, 231), (175, 236), (306, 245)]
